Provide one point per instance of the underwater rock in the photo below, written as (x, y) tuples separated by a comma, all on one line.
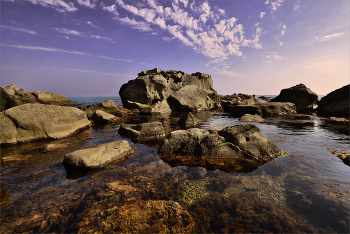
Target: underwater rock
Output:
[(239, 141), (188, 120), (50, 147), (144, 131), (251, 118), (98, 157)]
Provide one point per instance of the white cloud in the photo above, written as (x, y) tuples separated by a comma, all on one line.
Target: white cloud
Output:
[(111, 8), (262, 14), (66, 37), (283, 29), (87, 3), (59, 5), (328, 37), (185, 2), (99, 37), (296, 7), (19, 29), (274, 56), (276, 4), (89, 23), (140, 25), (68, 31), (281, 43)]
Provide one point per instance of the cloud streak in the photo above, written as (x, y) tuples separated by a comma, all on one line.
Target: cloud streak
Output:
[(69, 32), (328, 37), (59, 5), (19, 29)]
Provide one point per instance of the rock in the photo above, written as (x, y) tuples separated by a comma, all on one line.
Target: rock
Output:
[(188, 120), (99, 116), (154, 86), (136, 105), (335, 103), (12, 96), (217, 98), (51, 147), (39, 121), (107, 106), (239, 141), (190, 98), (53, 98), (345, 158), (98, 157), (144, 131), (251, 118), (263, 109), (267, 99), (304, 99)]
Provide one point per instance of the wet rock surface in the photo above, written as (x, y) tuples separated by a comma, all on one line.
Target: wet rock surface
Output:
[(304, 99), (98, 157), (251, 118), (53, 98), (144, 131), (335, 104), (107, 106), (38, 121), (263, 109), (102, 117), (187, 120)]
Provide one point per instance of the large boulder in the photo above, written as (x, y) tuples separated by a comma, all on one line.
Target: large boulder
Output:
[(103, 117), (98, 157), (190, 98), (187, 120), (107, 106), (154, 86), (53, 98), (39, 121), (304, 99), (12, 96), (335, 103), (239, 141), (144, 131), (263, 109)]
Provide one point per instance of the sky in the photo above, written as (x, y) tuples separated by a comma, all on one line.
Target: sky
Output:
[(90, 48)]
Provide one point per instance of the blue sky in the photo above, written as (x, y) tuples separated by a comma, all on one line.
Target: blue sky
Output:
[(91, 48)]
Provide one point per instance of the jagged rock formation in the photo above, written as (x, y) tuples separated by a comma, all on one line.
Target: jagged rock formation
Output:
[(154, 87), (335, 103)]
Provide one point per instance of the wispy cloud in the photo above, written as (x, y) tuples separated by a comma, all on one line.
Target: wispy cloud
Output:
[(283, 29), (59, 5), (140, 25), (64, 51), (273, 56), (91, 24), (262, 14), (99, 37), (328, 37), (69, 31), (87, 3), (19, 29)]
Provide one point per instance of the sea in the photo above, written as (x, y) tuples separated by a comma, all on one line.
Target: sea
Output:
[(306, 189)]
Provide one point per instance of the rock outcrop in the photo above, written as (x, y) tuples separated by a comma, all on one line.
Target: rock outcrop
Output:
[(304, 99), (156, 86), (263, 109), (144, 131), (239, 141), (53, 98), (98, 157), (107, 106), (12, 96), (188, 120), (335, 103), (251, 118), (38, 121), (102, 117)]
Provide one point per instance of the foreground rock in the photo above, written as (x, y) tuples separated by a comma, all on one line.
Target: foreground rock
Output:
[(107, 106), (38, 121), (144, 131), (12, 96), (154, 87), (188, 120), (251, 118), (263, 109), (239, 141), (304, 99), (98, 157), (102, 117), (53, 98), (335, 103)]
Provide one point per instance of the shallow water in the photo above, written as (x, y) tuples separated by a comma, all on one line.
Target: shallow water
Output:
[(305, 191)]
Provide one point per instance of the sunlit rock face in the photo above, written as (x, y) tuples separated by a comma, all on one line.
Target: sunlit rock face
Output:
[(144, 131), (53, 98), (155, 86)]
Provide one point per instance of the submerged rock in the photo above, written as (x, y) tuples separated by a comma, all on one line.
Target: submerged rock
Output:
[(188, 120), (98, 157), (38, 121), (144, 131), (12, 96), (335, 103), (107, 106), (53, 98), (304, 99), (239, 141), (251, 118)]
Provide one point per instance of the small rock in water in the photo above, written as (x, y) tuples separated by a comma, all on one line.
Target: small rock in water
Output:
[(251, 118), (188, 120), (144, 131)]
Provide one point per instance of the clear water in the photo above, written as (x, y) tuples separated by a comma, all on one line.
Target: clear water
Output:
[(305, 191)]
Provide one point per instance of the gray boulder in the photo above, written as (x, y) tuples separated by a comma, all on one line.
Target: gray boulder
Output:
[(239, 141), (304, 99), (38, 121), (263, 109), (53, 98), (103, 117), (98, 157), (107, 106), (144, 131), (12, 96), (190, 98), (154, 86), (251, 118), (335, 103), (188, 120)]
